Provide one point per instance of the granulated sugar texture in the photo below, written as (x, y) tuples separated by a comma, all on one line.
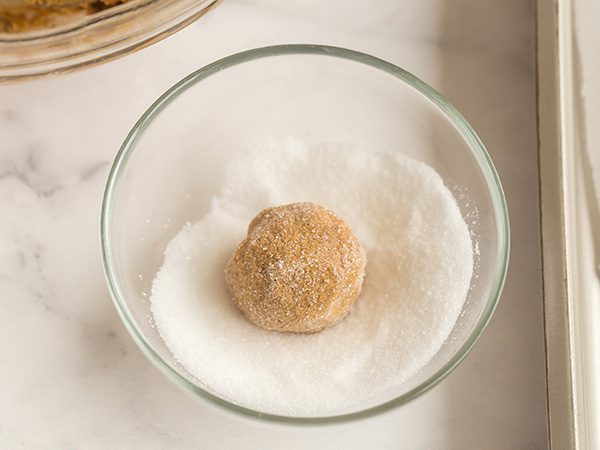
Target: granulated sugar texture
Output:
[(419, 269)]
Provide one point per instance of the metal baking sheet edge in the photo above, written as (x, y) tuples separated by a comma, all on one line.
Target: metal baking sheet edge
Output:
[(551, 30)]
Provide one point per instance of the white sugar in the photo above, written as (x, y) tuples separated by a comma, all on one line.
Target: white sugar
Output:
[(420, 264)]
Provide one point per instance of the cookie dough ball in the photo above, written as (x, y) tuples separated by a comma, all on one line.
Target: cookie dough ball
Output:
[(300, 269)]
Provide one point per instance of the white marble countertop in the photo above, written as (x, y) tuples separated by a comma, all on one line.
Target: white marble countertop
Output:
[(71, 376)]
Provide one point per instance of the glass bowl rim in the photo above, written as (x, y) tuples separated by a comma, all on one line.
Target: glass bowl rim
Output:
[(474, 142)]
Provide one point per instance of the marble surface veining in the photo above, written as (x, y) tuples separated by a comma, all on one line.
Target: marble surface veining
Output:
[(71, 376)]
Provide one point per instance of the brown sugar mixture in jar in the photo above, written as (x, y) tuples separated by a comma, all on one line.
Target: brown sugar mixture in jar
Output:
[(19, 16)]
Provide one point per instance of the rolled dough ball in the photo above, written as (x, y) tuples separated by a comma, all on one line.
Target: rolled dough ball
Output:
[(300, 269)]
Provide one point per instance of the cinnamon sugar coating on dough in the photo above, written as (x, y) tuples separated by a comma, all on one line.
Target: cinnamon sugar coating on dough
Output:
[(300, 269)]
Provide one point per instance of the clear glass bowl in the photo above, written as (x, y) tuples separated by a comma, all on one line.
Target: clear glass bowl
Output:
[(90, 39), (172, 163)]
